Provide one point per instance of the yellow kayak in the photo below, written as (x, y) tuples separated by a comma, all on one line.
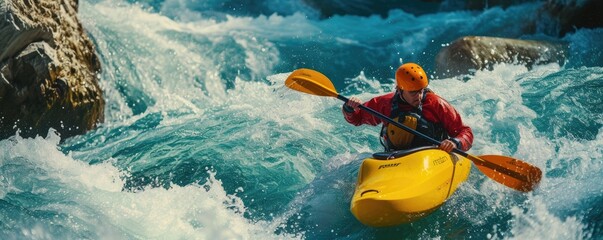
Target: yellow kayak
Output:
[(403, 186)]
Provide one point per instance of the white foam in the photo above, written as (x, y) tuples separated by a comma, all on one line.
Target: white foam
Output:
[(539, 223), (90, 198)]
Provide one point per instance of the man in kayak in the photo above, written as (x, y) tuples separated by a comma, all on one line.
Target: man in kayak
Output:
[(416, 106)]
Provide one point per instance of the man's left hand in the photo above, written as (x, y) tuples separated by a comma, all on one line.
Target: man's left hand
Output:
[(447, 145)]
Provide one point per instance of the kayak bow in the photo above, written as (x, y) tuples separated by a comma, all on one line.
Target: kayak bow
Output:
[(403, 186)]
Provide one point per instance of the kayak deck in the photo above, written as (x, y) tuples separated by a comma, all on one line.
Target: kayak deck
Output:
[(403, 186)]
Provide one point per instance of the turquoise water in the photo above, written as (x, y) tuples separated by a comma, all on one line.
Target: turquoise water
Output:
[(202, 141)]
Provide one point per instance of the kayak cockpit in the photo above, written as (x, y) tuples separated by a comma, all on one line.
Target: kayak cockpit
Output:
[(399, 153)]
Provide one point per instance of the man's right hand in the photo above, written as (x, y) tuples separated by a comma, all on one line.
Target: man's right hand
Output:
[(353, 103)]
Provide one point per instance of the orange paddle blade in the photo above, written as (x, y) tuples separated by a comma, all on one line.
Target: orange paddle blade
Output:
[(312, 82), (509, 171)]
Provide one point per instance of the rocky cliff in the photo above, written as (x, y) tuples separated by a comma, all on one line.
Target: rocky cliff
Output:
[(48, 70)]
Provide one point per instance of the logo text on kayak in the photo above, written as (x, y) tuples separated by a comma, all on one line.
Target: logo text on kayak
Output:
[(388, 165), (439, 161)]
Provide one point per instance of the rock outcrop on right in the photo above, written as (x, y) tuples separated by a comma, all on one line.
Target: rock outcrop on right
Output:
[(472, 53)]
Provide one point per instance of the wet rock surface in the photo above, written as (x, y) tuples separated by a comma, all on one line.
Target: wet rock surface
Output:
[(471, 53), (48, 70)]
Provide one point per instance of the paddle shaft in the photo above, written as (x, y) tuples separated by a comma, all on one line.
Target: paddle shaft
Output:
[(475, 159)]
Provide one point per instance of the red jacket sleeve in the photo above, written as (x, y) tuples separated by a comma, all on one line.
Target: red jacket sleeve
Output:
[(436, 109)]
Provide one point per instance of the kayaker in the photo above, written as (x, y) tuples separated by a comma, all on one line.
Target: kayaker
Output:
[(416, 106)]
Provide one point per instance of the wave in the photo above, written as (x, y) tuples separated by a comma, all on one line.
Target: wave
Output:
[(203, 141), (68, 198)]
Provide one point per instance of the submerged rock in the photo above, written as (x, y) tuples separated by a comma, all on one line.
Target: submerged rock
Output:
[(472, 53), (48, 70)]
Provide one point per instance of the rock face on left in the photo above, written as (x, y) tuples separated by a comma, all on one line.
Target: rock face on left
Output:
[(48, 70)]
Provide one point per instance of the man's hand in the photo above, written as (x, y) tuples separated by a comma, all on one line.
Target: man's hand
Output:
[(353, 103), (447, 145)]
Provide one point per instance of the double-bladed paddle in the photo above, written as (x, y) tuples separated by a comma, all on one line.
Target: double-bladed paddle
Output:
[(508, 171)]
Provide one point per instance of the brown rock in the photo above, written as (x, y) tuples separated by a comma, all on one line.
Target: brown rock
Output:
[(473, 53), (48, 70)]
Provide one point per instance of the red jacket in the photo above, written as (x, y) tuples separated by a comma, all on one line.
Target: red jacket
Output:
[(435, 109)]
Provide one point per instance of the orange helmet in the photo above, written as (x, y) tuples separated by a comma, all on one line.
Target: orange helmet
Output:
[(411, 77)]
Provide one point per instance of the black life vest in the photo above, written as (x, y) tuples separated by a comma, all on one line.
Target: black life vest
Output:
[(395, 138)]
